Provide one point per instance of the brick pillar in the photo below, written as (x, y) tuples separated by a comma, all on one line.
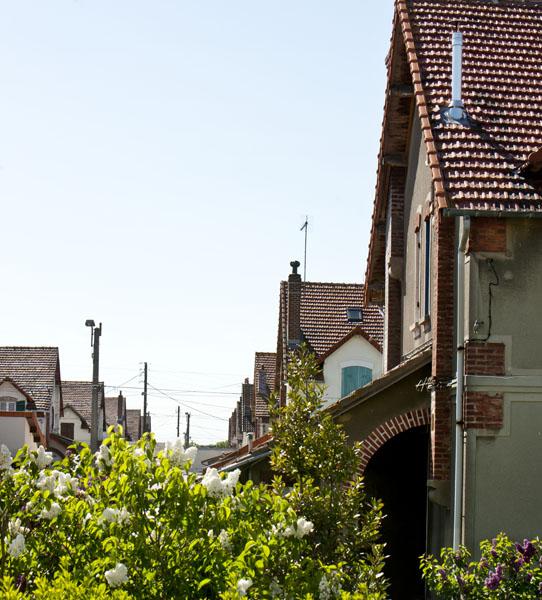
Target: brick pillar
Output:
[(443, 345), (394, 269), (294, 307)]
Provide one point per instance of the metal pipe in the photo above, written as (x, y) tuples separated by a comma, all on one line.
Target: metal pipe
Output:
[(457, 69), (464, 229)]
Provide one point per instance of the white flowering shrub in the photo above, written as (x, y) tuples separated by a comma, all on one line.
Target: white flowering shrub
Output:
[(127, 523)]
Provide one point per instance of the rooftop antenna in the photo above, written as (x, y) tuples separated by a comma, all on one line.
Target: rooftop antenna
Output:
[(306, 228)]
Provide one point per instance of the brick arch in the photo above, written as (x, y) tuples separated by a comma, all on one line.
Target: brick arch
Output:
[(394, 426)]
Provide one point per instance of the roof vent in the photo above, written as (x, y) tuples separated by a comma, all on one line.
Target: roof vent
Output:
[(455, 113), (354, 314)]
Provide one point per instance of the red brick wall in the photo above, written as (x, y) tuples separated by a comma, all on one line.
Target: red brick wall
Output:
[(443, 344), (394, 294), (487, 235), (483, 411), (389, 429), (483, 358)]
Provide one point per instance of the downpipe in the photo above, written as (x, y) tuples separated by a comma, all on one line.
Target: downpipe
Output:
[(464, 230)]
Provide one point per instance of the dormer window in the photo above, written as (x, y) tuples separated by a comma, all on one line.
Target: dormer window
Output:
[(354, 315), (7, 403)]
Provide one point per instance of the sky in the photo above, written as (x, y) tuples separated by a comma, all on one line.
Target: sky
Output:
[(157, 160)]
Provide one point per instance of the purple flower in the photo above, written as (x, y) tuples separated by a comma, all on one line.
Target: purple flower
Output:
[(518, 564), (494, 578), (442, 573)]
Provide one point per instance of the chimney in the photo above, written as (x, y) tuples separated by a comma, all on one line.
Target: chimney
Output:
[(120, 409), (455, 112), (294, 307)]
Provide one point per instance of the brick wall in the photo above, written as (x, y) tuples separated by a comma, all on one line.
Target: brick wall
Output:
[(483, 411), (294, 309), (395, 247), (484, 358), (487, 235), (443, 344)]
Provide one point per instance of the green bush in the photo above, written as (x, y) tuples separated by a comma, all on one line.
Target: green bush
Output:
[(130, 523), (506, 570)]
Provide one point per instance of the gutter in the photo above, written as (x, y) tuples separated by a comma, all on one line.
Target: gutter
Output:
[(247, 461), (464, 229)]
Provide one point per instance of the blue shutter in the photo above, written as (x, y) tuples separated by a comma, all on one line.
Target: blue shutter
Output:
[(353, 378)]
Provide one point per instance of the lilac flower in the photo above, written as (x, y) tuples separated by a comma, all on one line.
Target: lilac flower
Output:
[(527, 550), (442, 573), (493, 580)]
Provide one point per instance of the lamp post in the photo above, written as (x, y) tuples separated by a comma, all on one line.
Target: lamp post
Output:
[(95, 334)]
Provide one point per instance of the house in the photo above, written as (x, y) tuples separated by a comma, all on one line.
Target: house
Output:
[(30, 396), (75, 422), (452, 430), (335, 323), (135, 425), (265, 364), (115, 412)]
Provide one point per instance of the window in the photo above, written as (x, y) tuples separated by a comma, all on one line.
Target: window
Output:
[(353, 378), (427, 282), (67, 430), (7, 403), (355, 315)]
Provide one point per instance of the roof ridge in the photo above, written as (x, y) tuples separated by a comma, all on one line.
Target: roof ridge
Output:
[(29, 347), (352, 283)]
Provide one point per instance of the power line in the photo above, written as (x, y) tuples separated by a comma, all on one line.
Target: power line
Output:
[(179, 391), (183, 403)]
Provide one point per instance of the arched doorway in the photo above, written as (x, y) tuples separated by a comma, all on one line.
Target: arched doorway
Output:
[(397, 474)]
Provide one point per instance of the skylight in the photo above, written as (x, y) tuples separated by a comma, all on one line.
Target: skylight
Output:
[(354, 314)]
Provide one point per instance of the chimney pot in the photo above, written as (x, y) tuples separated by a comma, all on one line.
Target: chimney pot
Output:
[(295, 264)]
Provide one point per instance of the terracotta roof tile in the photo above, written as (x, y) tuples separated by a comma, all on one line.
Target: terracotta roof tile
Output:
[(502, 91), (324, 319), (78, 395), (262, 389), (133, 424), (34, 369)]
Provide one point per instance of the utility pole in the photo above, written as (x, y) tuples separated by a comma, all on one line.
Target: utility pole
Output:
[(145, 398), (187, 432), (178, 421), (95, 334)]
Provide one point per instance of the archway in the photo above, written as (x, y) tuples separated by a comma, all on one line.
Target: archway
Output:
[(396, 473)]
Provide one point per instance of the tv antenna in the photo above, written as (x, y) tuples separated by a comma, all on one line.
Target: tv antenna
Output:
[(306, 228)]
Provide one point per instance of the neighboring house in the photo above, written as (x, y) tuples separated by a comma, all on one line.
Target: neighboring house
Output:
[(134, 424), (264, 384), (207, 455), (76, 421), (452, 430), (334, 322), (115, 412), (30, 396)]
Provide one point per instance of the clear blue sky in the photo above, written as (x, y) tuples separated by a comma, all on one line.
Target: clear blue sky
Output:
[(157, 159)]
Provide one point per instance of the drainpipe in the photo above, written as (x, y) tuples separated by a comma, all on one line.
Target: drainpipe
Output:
[(464, 229)]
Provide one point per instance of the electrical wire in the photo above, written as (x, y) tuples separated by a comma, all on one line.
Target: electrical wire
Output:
[(183, 403)]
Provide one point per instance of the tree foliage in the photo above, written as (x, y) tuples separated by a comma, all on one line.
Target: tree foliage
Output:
[(311, 453)]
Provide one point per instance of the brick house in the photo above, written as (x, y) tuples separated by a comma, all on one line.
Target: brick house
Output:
[(454, 423)]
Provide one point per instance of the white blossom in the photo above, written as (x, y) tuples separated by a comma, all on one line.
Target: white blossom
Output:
[(179, 455), (103, 457), (304, 527), (53, 512), (288, 531), (17, 546), (5, 461), (15, 527), (220, 487), (42, 458), (224, 540), (243, 585), (114, 515), (329, 588), (117, 576)]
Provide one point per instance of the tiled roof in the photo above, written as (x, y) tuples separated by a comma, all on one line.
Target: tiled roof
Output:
[(324, 320), (133, 424), (78, 395), (502, 90), (111, 406), (34, 369), (262, 389)]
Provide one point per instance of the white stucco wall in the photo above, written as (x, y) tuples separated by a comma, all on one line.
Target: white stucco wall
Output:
[(80, 434), (357, 351), (8, 389), (15, 433)]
